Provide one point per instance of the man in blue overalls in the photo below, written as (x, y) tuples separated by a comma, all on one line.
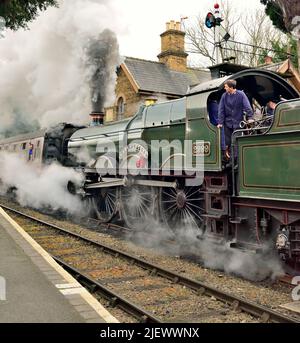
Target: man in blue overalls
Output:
[(233, 105)]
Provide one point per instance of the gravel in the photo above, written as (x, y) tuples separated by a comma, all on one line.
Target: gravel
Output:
[(269, 294)]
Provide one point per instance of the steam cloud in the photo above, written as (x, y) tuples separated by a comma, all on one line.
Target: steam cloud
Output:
[(255, 267), (49, 71), (44, 187)]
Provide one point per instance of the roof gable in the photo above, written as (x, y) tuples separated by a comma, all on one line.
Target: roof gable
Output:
[(287, 70)]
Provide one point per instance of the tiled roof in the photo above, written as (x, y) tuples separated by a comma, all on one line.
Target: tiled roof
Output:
[(157, 77)]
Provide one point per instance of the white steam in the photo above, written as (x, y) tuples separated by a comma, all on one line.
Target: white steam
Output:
[(45, 71), (39, 187), (190, 241)]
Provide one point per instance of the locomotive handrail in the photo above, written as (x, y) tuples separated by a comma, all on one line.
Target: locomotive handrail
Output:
[(243, 124)]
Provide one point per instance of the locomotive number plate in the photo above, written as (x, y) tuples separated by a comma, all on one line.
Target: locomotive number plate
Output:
[(201, 149)]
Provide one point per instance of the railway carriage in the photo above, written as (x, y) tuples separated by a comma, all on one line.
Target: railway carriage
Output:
[(22, 144), (43, 146)]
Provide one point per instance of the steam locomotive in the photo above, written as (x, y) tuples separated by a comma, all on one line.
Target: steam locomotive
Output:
[(251, 202)]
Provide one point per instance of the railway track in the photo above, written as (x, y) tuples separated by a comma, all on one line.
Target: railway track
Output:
[(126, 280)]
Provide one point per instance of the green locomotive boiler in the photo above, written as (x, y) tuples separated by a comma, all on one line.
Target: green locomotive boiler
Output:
[(251, 202)]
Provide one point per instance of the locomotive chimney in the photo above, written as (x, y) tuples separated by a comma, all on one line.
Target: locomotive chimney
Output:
[(97, 118)]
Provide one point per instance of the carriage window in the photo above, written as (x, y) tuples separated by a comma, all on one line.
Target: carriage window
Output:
[(23, 146)]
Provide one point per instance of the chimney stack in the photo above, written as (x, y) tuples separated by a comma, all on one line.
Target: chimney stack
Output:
[(173, 47)]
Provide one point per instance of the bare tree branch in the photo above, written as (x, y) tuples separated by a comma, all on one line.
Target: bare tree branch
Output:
[(255, 29)]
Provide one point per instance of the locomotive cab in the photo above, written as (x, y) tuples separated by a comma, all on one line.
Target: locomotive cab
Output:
[(260, 86)]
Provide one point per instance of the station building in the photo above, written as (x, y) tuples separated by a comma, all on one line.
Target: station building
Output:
[(142, 81)]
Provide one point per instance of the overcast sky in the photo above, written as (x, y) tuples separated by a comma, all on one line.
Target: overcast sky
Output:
[(139, 23), (144, 21), (45, 71)]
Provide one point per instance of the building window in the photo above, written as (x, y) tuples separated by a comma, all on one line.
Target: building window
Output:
[(120, 108)]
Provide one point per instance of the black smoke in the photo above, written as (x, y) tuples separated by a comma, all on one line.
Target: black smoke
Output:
[(103, 58)]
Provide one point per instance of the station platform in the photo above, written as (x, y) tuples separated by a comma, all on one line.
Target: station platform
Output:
[(35, 289)]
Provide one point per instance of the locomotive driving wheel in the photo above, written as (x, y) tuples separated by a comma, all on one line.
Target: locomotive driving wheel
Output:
[(105, 204), (182, 207), (138, 206)]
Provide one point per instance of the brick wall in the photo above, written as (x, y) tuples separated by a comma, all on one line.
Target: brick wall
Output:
[(174, 62), (172, 40), (125, 90)]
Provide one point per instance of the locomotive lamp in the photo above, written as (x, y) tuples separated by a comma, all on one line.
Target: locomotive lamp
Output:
[(150, 101)]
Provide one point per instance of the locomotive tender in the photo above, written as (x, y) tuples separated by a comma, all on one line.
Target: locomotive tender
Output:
[(252, 202)]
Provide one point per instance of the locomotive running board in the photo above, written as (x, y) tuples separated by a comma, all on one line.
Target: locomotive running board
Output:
[(107, 183), (126, 183), (160, 184)]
